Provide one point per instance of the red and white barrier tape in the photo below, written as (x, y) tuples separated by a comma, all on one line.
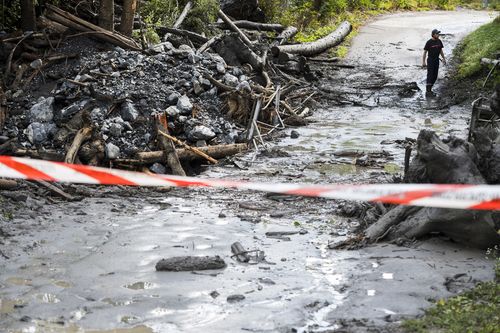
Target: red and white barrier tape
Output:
[(462, 196)]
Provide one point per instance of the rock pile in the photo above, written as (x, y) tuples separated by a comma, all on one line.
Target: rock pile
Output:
[(117, 92)]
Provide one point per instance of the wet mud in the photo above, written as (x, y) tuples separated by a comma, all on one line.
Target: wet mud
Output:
[(89, 265)]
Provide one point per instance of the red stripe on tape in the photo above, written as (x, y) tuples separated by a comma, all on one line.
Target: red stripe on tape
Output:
[(104, 178), (311, 191), (405, 198), (488, 205), (28, 171)]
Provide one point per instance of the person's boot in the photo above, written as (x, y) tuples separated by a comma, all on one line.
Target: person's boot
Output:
[(429, 92)]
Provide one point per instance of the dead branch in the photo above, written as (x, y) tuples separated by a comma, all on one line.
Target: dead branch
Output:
[(217, 152), (233, 27), (81, 136), (188, 147)]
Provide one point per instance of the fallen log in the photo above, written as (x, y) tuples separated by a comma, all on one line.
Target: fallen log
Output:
[(45, 23), (170, 154), (217, 152), (81, 136), (249, 25), (8, 184), (316, 47), (285, 36), (233, 27), (76, 23)]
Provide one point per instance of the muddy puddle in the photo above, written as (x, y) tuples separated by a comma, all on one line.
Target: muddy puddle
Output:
[(91, 267)]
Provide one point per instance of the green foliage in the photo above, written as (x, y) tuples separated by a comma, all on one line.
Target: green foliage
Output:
[(9, 14), (160, 12), (203, 13), (482, 43), (477, 310), (165, 13)]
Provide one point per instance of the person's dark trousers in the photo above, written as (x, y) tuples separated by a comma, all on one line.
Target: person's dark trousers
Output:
[(432, 72)]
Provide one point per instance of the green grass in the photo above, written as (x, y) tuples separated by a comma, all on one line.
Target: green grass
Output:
[(475, 311), (482, 43)]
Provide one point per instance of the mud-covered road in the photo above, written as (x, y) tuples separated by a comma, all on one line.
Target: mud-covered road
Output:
[(89, 266)]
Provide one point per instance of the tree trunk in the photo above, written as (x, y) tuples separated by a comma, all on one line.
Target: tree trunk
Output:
[(127, 20), (319, 46), (437, 162), (106, 14), (216, 152), (28, 18), (170, 154), (183, 15)]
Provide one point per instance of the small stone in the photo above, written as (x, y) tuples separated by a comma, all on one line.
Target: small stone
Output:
[(201, 133), (201, 143), (214, 294), (184, 105), (73, 108), (115, 74), (198, 89), (112, 151), (43, 110), (237, 71), (193, 58), (36, 64), (115, 130), (266, 281), (173, 98), (128, 111), (222, 215), (244, 87), (158, 168), (231, 80), (235, 298), (37, 132), (221, 69), (172, 111), (205, 83), (3, 139), (294, 134)]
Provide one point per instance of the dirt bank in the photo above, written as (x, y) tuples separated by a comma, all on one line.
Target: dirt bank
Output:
[(90, 265)]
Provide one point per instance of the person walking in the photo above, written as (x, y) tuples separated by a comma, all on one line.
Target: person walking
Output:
[(432, 49)]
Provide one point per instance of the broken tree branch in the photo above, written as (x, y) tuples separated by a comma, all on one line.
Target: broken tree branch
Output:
[(188, 147), (81, 136), (183, 15), (233, 27)]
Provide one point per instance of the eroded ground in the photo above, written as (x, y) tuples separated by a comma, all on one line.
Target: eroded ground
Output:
[(88, 266)]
